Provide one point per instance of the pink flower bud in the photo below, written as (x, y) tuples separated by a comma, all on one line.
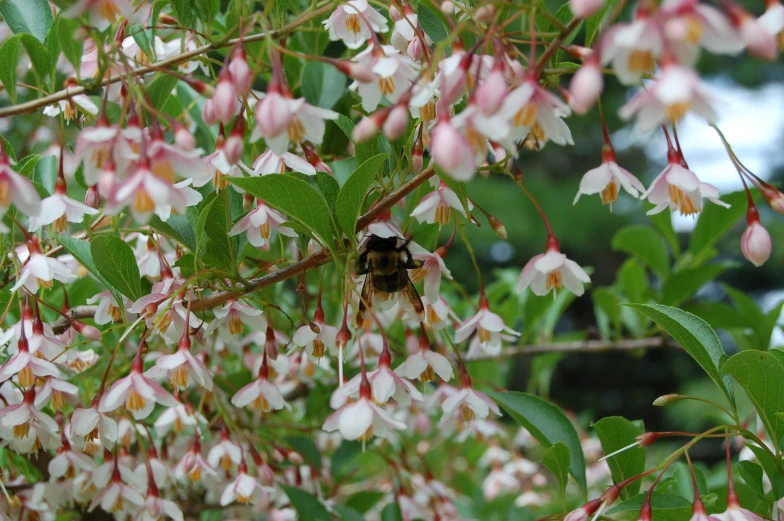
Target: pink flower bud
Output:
[(774, 198), (491, 93), (756, 244), (365, 129), (585, 511), (452, 152), (235, 144), (183, 137), (272, 115), (241, 75), (417, 159), (208, 113), (394, 13), (415, 49), (225, 99), (585, 8), (485, 14), (498, 227), (397, 122), (91, 198), (453, 85), (88, 332), (586, 86)]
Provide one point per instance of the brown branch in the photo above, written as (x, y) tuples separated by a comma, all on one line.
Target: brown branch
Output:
[(62, 324), (555, 44), (30, 106), (589, 346), (394, 197)]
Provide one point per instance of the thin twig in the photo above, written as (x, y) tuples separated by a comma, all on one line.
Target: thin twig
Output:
[(587, 346)]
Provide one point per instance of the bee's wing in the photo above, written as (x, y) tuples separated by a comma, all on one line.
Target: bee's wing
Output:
[(410, 292), (366, 297)]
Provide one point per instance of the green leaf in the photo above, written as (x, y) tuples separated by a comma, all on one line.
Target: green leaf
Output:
[(680, 286), (186, 264), (116, 262), (348, 204), (213, 233), (644, 243), (364, 500), (294, 197), (9, 54), (594, 22), (759, 324), (81, 252), (714, 222), (307, 506), (564, 14), (662, 221), (762, 377), (27, 16), (432, 22), (546, 423), (142, 39), (392, 512), (329, 188), (160, 92), (556, 459), (184, 12), (752, 474), (615, 433), (696, 337), (343, 459), (177, 227), (307, 449), (348, 513), (666, 507), (322, 84), (772, 468)]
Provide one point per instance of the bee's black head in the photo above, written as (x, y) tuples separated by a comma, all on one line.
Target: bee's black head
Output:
[(376, 243)]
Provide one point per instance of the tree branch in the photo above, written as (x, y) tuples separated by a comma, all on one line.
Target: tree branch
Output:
[(588, 346), (556, 43), (30, 106), (62, 324)]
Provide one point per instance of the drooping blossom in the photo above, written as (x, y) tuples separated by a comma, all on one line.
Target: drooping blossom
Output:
[(232, 317), (261, 394), (90, 425), (634, 47), (349, 22), (425, 364), (303, 122), (259, 223), (471, 403), (193, 467), (271, 163), (16, 189), (182, 367), (316, 343), (28, 428), (531, 108), (25, 366), (431, 270), (488, 326), (225, 454), (607, 178), (552, 270), (755, 243), (394, 73), (245, 489)]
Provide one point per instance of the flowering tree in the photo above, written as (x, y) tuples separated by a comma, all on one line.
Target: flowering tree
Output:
[(226, 288)]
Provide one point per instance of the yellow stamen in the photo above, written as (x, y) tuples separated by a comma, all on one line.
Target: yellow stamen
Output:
[(245, 500), (265, 230), (554, 280), (682, 200), (484, 335), (5, 192), (60, 224), (367, 436), (296, 130), (526, 116), (58, 400), (179, 377), (195, 473), (99, 156), (418, 274), (694, 30), (219, 180), (428, 375), (352, 23), (468, 413), (428, 111), (26, 377), (46, 284), (432, 316), (610, 193), (108, 10), (164, 321), (318, 348), (22, 430), (261, 404), (235, 322), (641, 61), (443, 214), (163, 170), (115, 313), (118, 505), (226, 463), (142, 202), (677, 110), (178, 425), (134, 401), (386, 85)]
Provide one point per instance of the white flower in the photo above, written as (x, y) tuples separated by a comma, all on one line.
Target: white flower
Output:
[(437, 206), (68, 462), (488, 325), (179, 417), (425, 365), (193, 466), (430, 272), (225, 454), (57, 209), (261, 394), (680, 189), (91, 424), (305, 122), (259, 223), (605, 180), (394, 74), (154, 509), (232, 316), (138, 393), (531, 108), (182, 368), (244, 489), (384, 384), (471, 403), (550, 271), (113, 497), (40, 270), (633, 48), (271, 163), (362, 419), (345, 23)]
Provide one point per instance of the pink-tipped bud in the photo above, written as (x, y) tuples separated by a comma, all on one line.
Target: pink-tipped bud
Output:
[(183, 137), (241, 75), (397, 122), (773, 197), (586, 86), (485, 14), (272, 115), (208, 113), (315, 160), (91, 198), (369, 126), (88, 332), (452, 152), (585, 511), (417, 155), (415, 50), (491, 92), (394, 13), (585, 8), (453, 85), (225, 99), (497, 226), (235, 144), (756, 243)]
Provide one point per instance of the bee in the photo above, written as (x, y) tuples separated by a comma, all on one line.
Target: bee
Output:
[(386, 264)]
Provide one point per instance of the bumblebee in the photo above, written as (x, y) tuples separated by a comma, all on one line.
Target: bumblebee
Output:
[(386, 263)]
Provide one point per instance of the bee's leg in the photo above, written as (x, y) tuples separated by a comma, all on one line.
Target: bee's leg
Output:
[(412, 263)]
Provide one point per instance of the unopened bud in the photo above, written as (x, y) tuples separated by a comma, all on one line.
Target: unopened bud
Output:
[(247, 202), (208, 113), (295, 458), (396, 123), (485, 14), (235, 144), (585, 8), (241, 75), (585, 511), (394, 13), (667, 399), (365, 129), (150, 310), (225, 98), (88, 332), (497, 226), (167, 19), (417, 156), (773, 197), (183, 137), (205, 89), (91, 197), (755, 243), (447, 7)]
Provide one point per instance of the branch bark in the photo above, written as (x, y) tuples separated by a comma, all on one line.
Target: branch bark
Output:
[(30, 106), (589, 346)]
